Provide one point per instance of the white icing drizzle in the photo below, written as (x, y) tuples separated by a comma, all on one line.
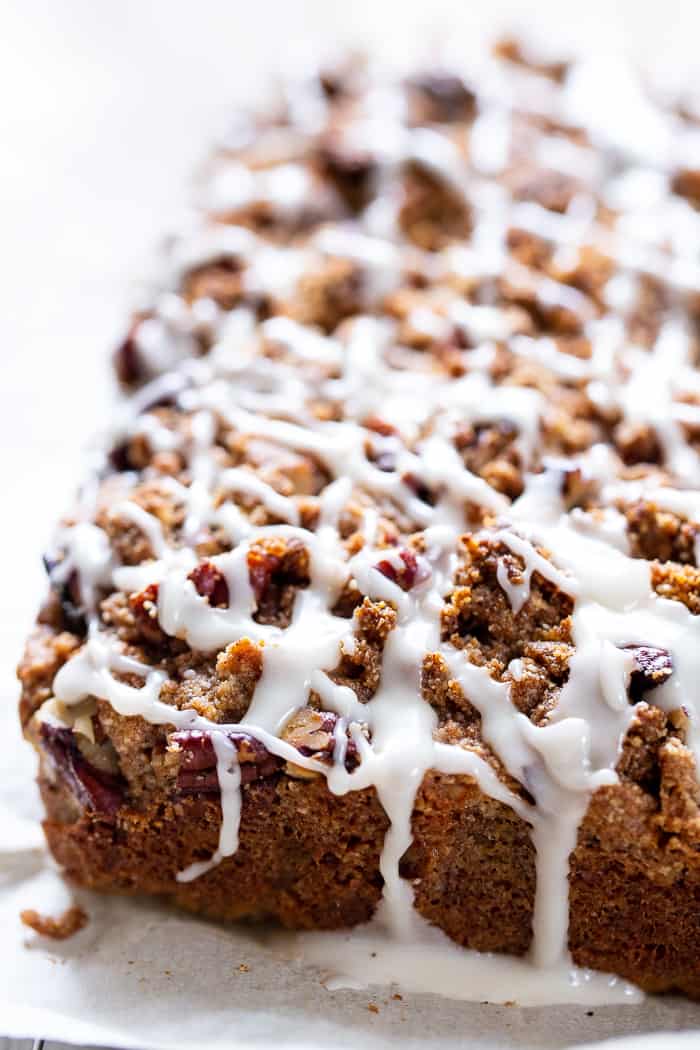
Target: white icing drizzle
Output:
[(562, 762), (229, 776)]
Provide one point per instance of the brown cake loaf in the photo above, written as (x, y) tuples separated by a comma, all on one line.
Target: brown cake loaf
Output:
[(385, 602)]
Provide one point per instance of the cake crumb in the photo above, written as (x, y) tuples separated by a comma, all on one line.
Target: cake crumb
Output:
[(66, 925), (373, 1008), (397, 996)]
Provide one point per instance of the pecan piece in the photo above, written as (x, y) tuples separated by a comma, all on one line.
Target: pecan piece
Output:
[(441, 97), (220, 279), (95, 790), (413, 571), (210, 583), (312, 733), (686, 183), (350, 171), (652, 667), (144, 606), (197, 773), (277, 569), (421, 490)]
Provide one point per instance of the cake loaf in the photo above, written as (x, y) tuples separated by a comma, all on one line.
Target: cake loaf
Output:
[(384, 602)]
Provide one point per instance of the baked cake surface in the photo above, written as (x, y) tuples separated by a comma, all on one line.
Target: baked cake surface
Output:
[(385, 599)]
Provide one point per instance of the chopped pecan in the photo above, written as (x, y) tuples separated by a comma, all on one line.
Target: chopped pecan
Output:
[(210, 583), (414, 570), (652, 667), (441, 97), (686, 183), (95, 789), (350, 171), (144, 606), (276, 569), (637, 443), (220, 280), (419, 487), (197, 773), (433, 211), (312, 733)]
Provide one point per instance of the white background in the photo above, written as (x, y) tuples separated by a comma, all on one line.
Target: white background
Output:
[(105, 106)]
